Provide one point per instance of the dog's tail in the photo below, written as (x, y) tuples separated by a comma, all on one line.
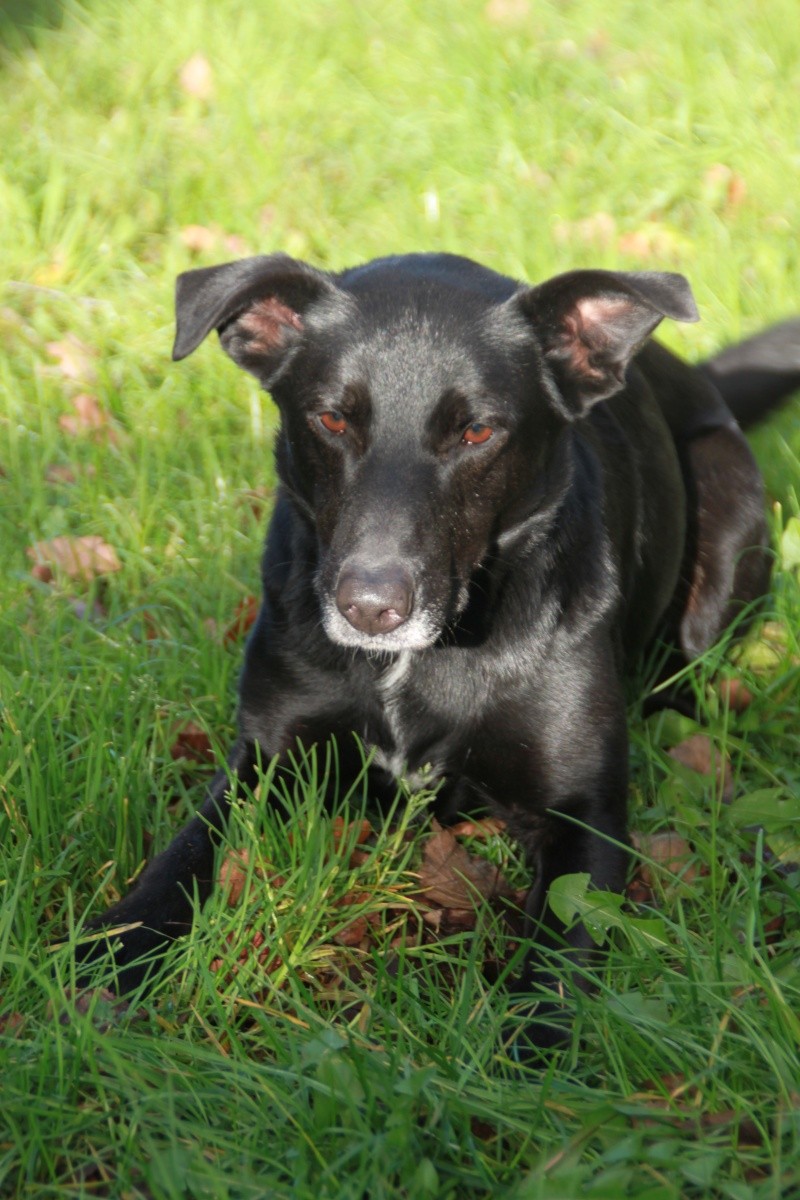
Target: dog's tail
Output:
[(758, 374)]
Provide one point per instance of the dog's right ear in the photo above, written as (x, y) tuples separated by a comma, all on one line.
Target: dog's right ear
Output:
[(257, 305)]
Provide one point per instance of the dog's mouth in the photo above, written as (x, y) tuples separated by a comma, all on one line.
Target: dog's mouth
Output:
[(417, 633)]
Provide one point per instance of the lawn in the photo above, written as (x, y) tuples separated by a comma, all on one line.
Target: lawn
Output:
[(322, 1033)]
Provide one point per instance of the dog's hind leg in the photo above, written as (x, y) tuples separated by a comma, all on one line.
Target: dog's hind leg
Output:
[(133, 934), (727, 567)]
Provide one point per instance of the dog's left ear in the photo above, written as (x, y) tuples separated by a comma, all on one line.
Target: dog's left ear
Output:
[(591, 323)]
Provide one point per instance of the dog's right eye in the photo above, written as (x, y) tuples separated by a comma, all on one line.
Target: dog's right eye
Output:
[(333, 421), (476, 434)]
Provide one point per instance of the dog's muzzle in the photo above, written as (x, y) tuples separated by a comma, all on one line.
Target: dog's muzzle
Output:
[(375, 601)]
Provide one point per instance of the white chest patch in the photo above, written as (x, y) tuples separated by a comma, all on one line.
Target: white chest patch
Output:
[(390, 687)]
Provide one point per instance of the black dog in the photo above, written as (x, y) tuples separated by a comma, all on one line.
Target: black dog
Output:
[(492, 496)]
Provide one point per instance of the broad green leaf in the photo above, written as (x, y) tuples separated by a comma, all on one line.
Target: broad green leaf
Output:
[(790, 544)]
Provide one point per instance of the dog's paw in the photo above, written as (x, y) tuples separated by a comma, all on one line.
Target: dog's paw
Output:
[(534, 1030), (540, 1019), (118, 954), (125, 945)]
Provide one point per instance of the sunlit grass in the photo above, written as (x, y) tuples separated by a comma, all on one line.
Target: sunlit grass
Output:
[(535, 137)]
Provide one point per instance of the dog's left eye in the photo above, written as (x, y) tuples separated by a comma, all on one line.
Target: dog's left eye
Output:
[(476, 434), (333, 421)]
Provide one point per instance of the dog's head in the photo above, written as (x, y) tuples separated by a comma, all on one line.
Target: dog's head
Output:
[(425, 403)]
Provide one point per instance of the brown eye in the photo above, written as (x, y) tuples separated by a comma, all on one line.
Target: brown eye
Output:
[(476, 434), (333, 421)]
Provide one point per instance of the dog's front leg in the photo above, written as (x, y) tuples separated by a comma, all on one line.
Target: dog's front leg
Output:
[(543, 993), (134, 932), (582, 831)]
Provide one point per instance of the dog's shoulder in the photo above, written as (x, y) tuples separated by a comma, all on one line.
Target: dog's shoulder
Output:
[(688, 400)]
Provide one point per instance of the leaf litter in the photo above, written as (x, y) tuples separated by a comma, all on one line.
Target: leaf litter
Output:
[(448, 893)]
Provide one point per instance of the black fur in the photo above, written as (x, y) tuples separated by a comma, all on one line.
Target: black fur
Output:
[(492, 497)]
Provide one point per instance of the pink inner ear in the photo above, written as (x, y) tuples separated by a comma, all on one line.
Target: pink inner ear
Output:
[(589, 330), (266, 321), (597, 311)]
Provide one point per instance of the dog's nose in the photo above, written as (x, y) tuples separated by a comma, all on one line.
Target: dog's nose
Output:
[(375, 601)]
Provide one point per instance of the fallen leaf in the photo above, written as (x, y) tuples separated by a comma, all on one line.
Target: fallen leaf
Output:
[(232, 875), (452, 878), (196, 77), (486, 827), (354, 933), (87, 416), (255, 952), (257, 500), (267, 218), (341, 831), (599, 229), (235, 244), (652, 241), (74, 359), (193, 743), (76, 557), (86, 612), (598, 44), (482, 1129), (444, 921), (734, 694), (201, 238), (507, 12), (11, 1023), (105, 1007), (699, 754), (671, 856), (60, 473), (244, 618), (723, 187), (198, 238)]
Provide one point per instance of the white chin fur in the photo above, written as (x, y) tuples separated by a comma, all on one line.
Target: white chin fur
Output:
[(417, 633)]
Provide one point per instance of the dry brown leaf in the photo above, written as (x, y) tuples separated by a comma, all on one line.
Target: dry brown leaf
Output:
[(451, 877), (86, 417), (60, 473), (201, 238), (11, 1023), (196, 77), (507, 12), (233, 874), (74, 359), (485, 827), (354, 933), (267, 218), (198, 238), (244, 618), (341, 831), (723, 187), (234, 244), (652, 241), (105, 1006), (193, 743), (76, 557), (671, 854), (699, 754), (733, 693), (599, 229), (254, 949)]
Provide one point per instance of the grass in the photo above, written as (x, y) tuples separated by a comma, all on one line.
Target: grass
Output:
[(535, 137)]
